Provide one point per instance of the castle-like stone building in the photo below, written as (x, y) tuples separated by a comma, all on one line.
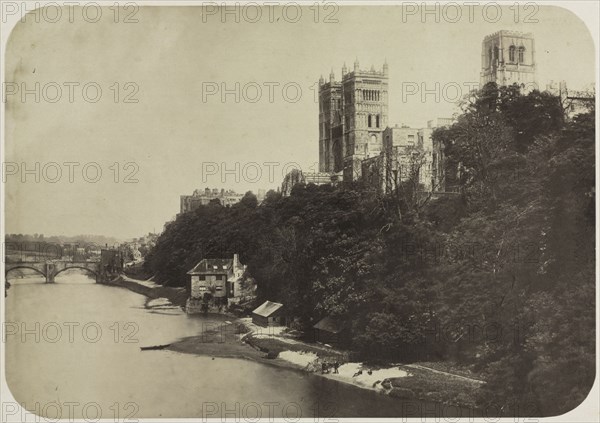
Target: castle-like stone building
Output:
[(188, 203)]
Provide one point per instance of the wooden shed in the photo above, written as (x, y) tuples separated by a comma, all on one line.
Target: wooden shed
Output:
[(328, 330), (268, 314)]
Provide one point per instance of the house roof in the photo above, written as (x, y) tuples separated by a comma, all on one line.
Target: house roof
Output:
[(212, 266), (267, 308), (329, 324)]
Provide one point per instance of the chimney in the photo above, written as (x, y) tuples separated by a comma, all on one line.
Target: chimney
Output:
[(236, 261)]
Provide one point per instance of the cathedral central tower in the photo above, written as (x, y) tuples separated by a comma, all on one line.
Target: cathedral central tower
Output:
[(508, 57)]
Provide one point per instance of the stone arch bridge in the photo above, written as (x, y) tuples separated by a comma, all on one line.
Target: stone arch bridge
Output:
[(49, 269)]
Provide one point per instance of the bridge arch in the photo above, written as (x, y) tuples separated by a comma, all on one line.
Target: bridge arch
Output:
[(50, 269), (22, 267), (92, 271)]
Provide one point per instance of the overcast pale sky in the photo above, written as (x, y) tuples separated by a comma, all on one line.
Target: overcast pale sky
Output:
[(175, 56)]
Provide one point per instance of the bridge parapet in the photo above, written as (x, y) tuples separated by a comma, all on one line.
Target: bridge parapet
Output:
[(49, 269)]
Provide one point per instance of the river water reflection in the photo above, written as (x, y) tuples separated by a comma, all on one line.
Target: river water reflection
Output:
[(77, 344)]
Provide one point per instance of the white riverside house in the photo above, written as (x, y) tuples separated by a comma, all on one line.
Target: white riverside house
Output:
[(215, 282)]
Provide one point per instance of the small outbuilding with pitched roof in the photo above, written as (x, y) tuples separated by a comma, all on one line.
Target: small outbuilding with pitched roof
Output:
[(268, 313), (329, 330)]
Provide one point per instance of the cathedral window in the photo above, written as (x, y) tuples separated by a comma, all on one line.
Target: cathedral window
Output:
[(377, 121), (511, 53), (490, 57), (496, 54), (521, 54), (369, 121)]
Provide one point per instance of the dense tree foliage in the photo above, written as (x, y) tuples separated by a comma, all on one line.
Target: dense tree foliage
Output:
[(498, 276)]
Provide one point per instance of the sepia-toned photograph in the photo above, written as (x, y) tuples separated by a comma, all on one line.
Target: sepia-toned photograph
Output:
[(313, 211)]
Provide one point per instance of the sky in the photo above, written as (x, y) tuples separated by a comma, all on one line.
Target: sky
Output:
[(147, 109)]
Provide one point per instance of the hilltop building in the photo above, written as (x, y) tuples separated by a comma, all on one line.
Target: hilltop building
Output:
[(508, 57), (296, 176), (356, 143), (353, 113), (192, 202), (408, 153), (573, 102)]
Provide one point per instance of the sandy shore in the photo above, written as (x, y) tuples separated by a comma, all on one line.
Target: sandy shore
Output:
[(226, 343)]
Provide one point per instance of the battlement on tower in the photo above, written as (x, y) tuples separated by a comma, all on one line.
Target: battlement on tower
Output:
[(508, 33), (363, 73), (352, 116), (507, 58), (355, 73)]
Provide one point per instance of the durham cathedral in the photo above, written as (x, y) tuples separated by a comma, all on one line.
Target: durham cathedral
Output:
[(356, 141), (352, 116)]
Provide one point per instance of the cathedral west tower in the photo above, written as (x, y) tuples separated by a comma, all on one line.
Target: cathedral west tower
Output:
[(352, 116)]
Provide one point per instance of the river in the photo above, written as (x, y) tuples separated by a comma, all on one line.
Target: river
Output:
[(73, 351)]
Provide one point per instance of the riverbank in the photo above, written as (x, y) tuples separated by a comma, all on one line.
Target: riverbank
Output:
[(239, 338), (151, 290)]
